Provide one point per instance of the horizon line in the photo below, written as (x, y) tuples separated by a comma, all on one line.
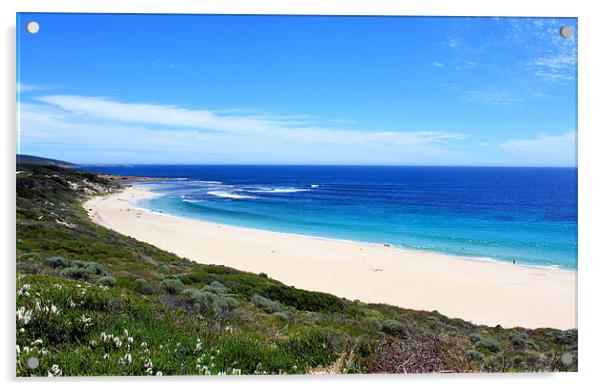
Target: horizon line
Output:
[(106, 164), (326, 165)]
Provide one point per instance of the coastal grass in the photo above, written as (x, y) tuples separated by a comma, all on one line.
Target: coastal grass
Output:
[(91, 301)]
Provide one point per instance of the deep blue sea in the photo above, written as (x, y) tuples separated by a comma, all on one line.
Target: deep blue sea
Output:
[(528, 215)]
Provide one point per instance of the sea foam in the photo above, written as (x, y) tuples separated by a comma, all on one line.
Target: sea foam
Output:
[(278, 190), (229, 195)]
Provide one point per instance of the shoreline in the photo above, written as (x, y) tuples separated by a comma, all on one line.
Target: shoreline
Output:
[(483, 259), (487, 292)]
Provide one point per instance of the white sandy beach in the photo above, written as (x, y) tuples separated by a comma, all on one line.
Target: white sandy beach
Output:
[(483, 292)]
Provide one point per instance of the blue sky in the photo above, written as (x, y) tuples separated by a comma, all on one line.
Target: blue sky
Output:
[(297, 90)]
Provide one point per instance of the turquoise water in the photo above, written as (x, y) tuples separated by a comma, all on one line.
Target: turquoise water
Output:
[(525, 215)]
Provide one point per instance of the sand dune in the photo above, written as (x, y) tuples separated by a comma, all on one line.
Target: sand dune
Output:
[(483, 292)]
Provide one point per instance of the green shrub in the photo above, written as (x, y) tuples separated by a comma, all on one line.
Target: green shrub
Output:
[(485, 342), (521, 340), (492, 361), (283, 315), (475, 355), (266, 304), (208, 303), (56, 262), (95, 268), (394, 327), (172, 286), (314, 345), (31, 256), (28, 268), (76, 273), (374, 324), (142, 286), (304, 300), (107, 281), (517, 360), (193, 278), (216, 288), (78, 263)]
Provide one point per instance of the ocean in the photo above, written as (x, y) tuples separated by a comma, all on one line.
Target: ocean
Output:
[(522, 215)]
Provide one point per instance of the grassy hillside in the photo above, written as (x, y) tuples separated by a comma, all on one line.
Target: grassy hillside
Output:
[(27, 159), (94, 302)]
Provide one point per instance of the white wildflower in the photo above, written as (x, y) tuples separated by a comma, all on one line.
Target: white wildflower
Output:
[(24, 290), (37, 342), (24, 315), (55, 370), (86, 321), (159, 373), (18, 349)]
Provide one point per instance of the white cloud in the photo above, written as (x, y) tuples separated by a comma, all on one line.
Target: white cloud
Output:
[(500, 98), (560, 67), (75, 128), (437, 64), (453, 42), (21, 88), (162, 115), (545, 149), (101, 125)]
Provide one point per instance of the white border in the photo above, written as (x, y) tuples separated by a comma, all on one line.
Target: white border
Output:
[(590, 189)]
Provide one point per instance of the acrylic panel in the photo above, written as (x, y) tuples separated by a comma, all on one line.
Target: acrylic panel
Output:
[(259, 194)]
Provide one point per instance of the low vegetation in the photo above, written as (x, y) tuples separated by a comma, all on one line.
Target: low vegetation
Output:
[(91, 301)]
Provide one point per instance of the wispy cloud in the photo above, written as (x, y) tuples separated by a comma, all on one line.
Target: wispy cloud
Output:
[(549, 56), (526, 56), (500, 98), (463, 65), (560, 149), (287, 127), (71, 121), (22, 88), (453, 42), (489, 96), (557, 68)]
